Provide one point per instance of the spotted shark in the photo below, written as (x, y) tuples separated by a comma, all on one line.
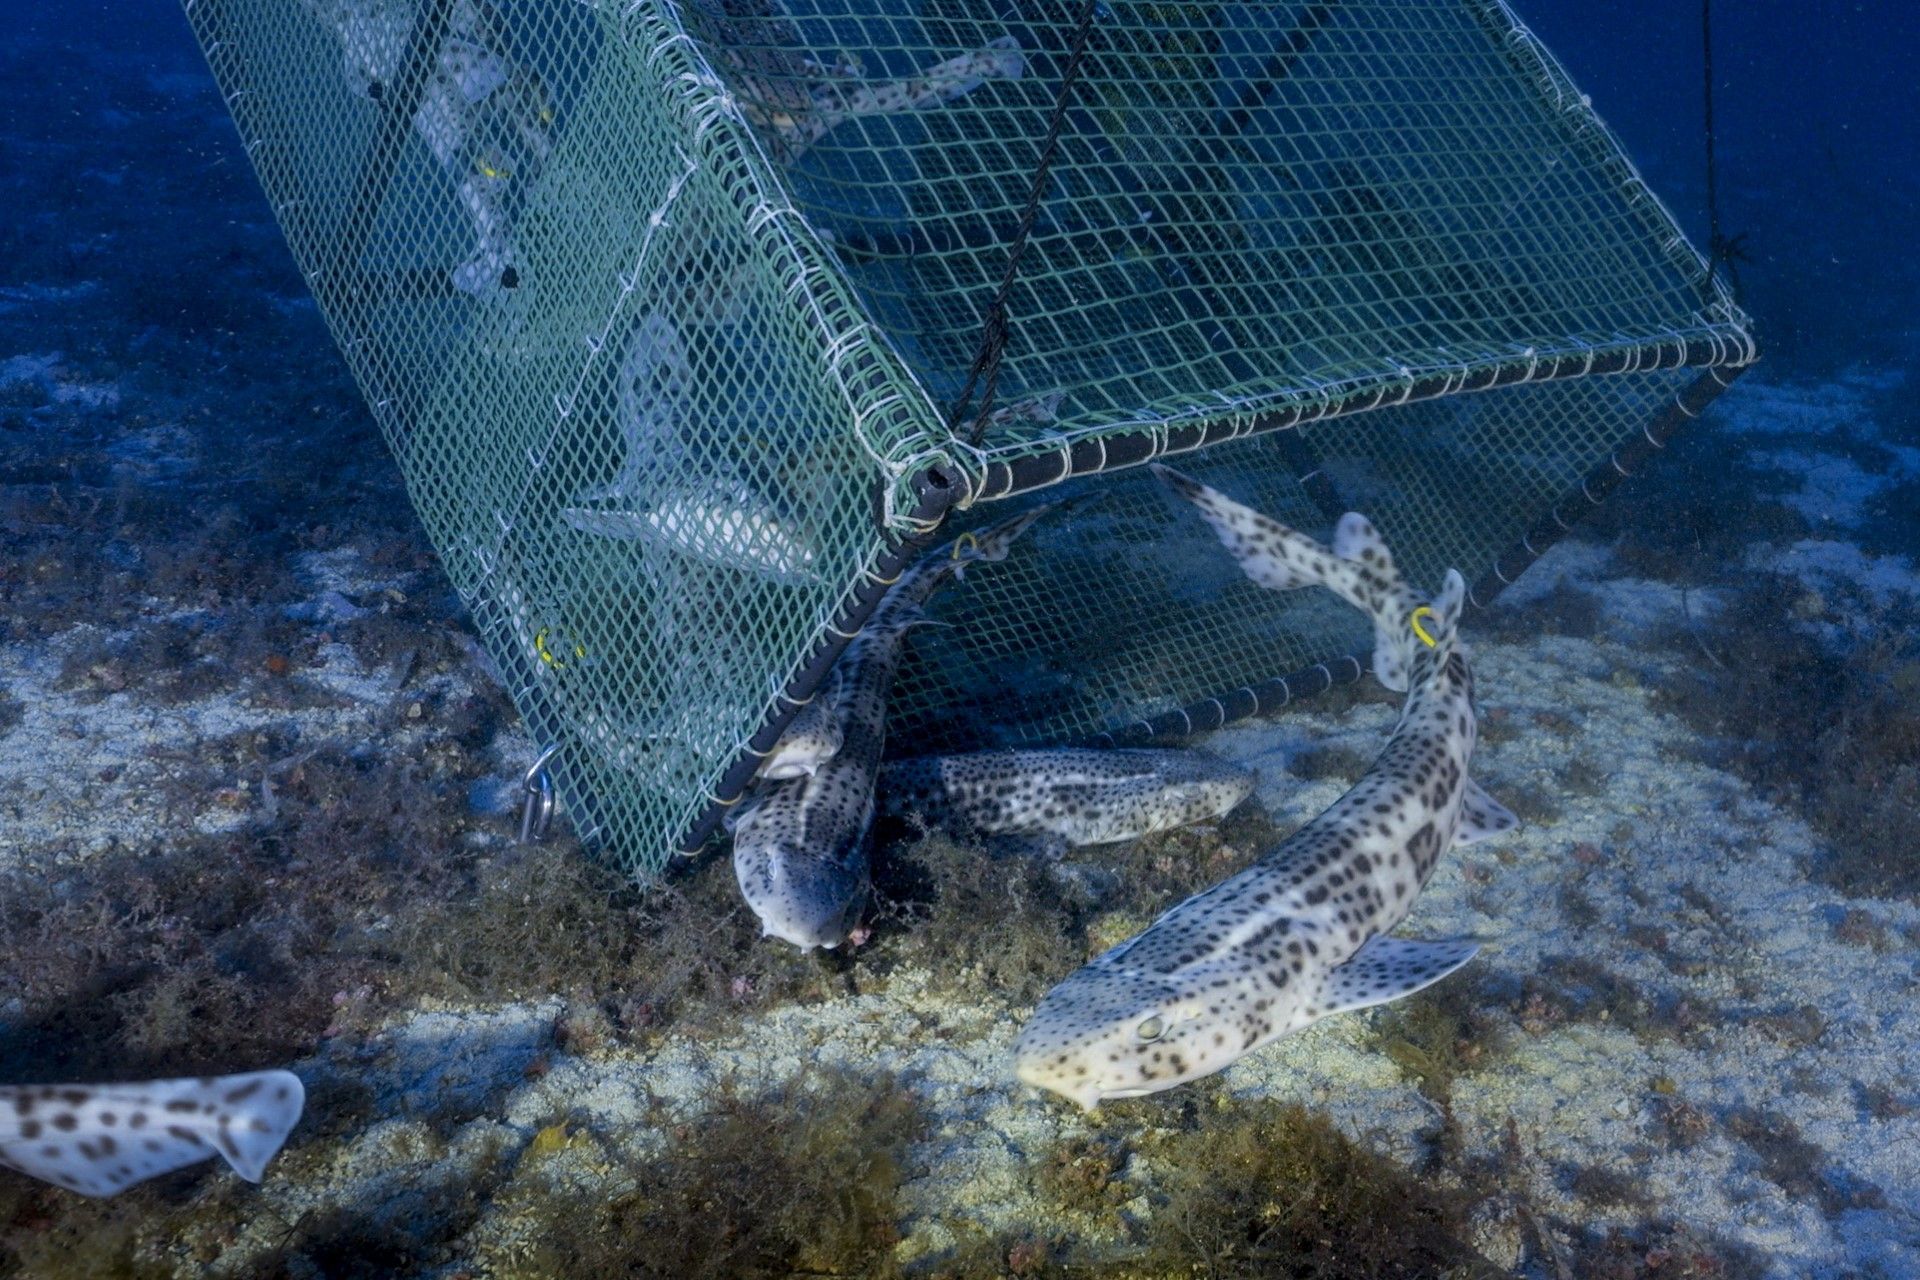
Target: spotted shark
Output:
[(1052, 801), (1305, 932), (801, 844), (100, 1139)]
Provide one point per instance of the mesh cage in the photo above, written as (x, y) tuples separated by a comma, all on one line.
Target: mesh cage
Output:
[(675, 317)]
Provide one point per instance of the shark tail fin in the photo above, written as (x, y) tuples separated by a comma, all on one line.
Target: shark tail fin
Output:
[(1274, 555), (1358, 567), (987, 544), (101, 1139), (991, 543)]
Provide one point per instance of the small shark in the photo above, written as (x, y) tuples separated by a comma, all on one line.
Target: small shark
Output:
[(811, 739), (100, 1139), (1058, 800), (668, 494), (800, 845), (1304, 932)]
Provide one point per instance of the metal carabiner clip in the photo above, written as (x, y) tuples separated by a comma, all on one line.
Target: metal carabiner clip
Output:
[(536, 811)]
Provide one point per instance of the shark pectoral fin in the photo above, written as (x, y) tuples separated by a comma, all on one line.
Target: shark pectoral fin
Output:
[(1482, 816), (1388, 968)]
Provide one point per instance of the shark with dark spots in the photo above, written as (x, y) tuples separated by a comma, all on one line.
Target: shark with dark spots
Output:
[(100, 1139), (1305, 932), (1052, 801), (801, 845)]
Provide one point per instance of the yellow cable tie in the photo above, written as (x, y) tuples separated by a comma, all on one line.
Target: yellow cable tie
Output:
[(546, 654), (1419, 630), (964, 541)]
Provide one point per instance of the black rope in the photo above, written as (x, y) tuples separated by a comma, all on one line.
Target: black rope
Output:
[(993, 337), (1720, 248)]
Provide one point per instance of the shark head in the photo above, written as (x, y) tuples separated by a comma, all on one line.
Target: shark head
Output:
[(1107, 1032), (802, 891), (798, 895), (1192, 787)]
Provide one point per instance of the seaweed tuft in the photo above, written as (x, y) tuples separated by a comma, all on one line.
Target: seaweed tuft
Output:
[(803, 1178), (1270, 1189), (1440, 1034), (1083, 1174), (941, 891), (1854, 769)]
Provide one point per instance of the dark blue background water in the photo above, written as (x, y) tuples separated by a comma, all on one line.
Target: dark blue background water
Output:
[(1819, 138), (1818, 119)]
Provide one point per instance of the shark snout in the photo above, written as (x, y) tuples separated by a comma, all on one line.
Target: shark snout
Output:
[(807, 901)]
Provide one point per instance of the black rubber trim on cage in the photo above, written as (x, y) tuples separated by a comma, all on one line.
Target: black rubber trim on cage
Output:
[(1244, 703), (1624, 461), (1097, 453), (938, 491), (1269, 696)]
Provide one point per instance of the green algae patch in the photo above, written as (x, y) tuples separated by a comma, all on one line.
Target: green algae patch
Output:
[(1852, 770), (801, 1179), (979, 923), (1440, 1034), (1265, 1188), (1044, 921), (1230, 1187)]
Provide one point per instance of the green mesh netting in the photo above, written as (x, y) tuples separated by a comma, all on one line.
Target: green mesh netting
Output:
[(666, 310)]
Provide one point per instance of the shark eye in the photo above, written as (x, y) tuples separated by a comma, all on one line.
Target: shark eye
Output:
[(1152, 1028)]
